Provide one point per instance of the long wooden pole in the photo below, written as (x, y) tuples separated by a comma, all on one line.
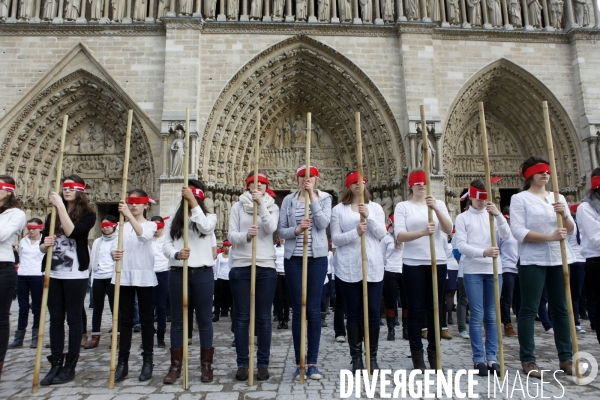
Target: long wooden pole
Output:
[(488, 188), (563, 249), (115, 316), (253, 265), (186, 163), (434, 280), (305, 253), (40, 343), (363, 246)]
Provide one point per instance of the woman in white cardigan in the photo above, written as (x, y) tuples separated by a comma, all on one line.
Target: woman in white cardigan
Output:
[(346, 232)]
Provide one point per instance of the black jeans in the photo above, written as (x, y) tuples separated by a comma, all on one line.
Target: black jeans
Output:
[(506, 298), (353, 296), (392, 283), (282, 299), (222, 296), (27, 285), (592, 275), (126, 310), (576, 275), (200, 290), (101, 288), (160, 300), (419, 289), (339, 311), (8, 283), (65, 297)]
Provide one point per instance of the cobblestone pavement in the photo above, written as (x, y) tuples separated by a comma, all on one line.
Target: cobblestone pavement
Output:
[(91, 380)]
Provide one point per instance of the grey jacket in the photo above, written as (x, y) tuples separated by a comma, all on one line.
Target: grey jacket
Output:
[(321, 214)]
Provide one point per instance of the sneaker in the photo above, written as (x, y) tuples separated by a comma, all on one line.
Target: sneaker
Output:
[(314, 373), (464, 335), (482, 368), (579, 329), (340, 339), (550, 331), (297, 374), (494, 368)]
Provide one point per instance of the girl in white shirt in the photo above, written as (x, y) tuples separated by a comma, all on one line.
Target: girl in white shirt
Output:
[(473, 240), (346, 232), (222, 289), (201, 226), (412, 228), (588, 218), (137, 277), (103, 267), (533, 223), (161, 269), (30, 281)]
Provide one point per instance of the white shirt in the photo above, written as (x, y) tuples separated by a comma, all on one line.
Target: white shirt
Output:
[(589, 221), (30, 258), (329, 263), (137, 267), (279, 252), (451, 263), (105, 264), (472, 237), (392, 257), (410, 217), (65, 264), (509, 254), (530, 213), (348, 253), (572, 239), (222, 267), (161, 263), (12, 222)]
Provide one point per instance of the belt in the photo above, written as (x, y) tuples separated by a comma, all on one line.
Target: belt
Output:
[(281, 273), (593, 259), (181, 268), (7, 264)]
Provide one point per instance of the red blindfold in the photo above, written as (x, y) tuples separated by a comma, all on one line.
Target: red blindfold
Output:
[(302, 171), (138, 200), (7, 186), (261, 178), (198, 193), (78, 187), (35, 226), (595, 182), (417, 178), (160, 224), (536, 169), (108, 224), (353, 178)]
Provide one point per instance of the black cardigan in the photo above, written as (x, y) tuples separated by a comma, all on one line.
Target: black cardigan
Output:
[(80, 235)]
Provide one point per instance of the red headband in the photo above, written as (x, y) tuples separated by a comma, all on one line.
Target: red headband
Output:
[(198, 193), (9, 187), (261, 179), (507, 216), (108, 224), (417, 178), (271, 193), (302, 171), (160, 224), (138, 200), (573, 207), (151, 200), (78, 187), (227, 243), (479, 194), (536, 169), (35, 226), (353, 178), (595, 182)]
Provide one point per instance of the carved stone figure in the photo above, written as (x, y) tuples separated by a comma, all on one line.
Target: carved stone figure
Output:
[(299, 130), (433, 7), (556, 13), (397, 198), (494, 12), (4, 10), (323, 10), (163, 6), (226, 210), (118, 7), (431, 156), (474, 11), (277, 137), (366, 10), (256, 10), (453, 12), (210, 9), (219, 210), (514, 10), (387, 204), (301, 10), (345, 10), (376, 198), (233, 10), (25, 9), (72, 10), (186, 7), (97, 8), (535, 13), (412, 10), (387, 10), (582, 12), (209, 203), (278, 9), (139, 11), (177, 150)]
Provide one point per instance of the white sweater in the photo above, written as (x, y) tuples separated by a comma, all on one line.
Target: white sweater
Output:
[(472, 237), (392, 257), (589, 221), (137, 268), (103, 266), (12, 222)]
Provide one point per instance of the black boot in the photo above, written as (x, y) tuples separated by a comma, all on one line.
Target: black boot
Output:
[(355, 339), (147, 367), (418, 361), (122, 368), (432, 358), (57, 364), (391, 329), (18, 342), (160, 339), (34, 339), (373, 347), (404, 328), (67, 373)]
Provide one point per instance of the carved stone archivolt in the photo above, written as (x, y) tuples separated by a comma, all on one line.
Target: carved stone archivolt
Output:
[(94, 143), (296, 76)]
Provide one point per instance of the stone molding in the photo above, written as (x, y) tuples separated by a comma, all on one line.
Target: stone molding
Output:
[(90, 29)]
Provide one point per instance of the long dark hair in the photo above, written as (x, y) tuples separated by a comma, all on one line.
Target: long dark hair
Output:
[(81, 204), (141, 193), (595, 193), (530, 162), (11, 200), (477, 184), (347, 196), (177, 224)]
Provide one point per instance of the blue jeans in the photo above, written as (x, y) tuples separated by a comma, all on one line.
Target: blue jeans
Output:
[(577, 275), (353, 294), (506, 296), (316, 271), (25, 286), (160, 300), (480, 292), (266, 282)]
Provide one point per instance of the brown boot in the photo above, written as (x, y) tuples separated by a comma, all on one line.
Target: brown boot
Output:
[(92, 344), (531, 368), (206, 360), (84, 340), (566, 367), (509, 330), (175, 369)]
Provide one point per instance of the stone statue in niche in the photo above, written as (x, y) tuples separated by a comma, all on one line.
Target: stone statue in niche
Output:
[(412, 10), (433, 9), (219, 210), (256, 10), (514, 11), (25, 9), (278, 10), (432, 164), (287, 136), (163, 6), (387, 10), (72, 10), (186, 8), (276, 143), (494, 12), (233, 10), (366, 10), (177, 152), (139, 12), (345, 10), (474, 12), (209, 203), (323, 10), (387, 204), (226, 210), (97, 8), (453, 12), (299, 130), (210, 9), (3, 10), (535, 13), (556, 13), (376, 198), (397, 198), (118, 7), (582, 12), (301, 10)]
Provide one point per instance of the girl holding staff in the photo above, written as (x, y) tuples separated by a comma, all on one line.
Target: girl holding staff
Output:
[(346, 232), (161, 269), (201, 226), (533, 216), (412, 227), (242, 230), (137, 278), (292, 225), (69, 275), (12, 220)]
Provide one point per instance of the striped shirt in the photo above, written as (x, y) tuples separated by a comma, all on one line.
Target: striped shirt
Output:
[(299, 249)]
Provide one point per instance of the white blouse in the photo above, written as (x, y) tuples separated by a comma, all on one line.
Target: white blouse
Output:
[(30, 258), (104, 266), (392, 257), (347, 241), (137, 267), (530, 213), (410, 217), (222, 267), (589, 221), (161, 263)]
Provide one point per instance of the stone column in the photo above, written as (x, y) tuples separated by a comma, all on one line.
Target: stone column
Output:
[(221, 16), (193, 159), (526, 16), (438, 153), (356, 19), (424, 16), (244, 16), (377, 14), (484, 14), (172, 10), (596, 15), (198, 13), (311, 12), (591, 141), (413, 150), (506, 17), (127, 19), (568, 10), (81, 19), (334, 15), (400, 17), (13, 12), (546, 15), (443, 13), (267, 15), (165, 154), (463, 13), (104, 19), (59, 15), (150, 16), (288, 11)]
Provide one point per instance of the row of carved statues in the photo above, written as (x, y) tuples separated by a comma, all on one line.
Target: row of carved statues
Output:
[(465, 13)]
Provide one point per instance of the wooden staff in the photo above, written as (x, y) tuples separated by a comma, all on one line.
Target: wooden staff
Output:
[(563, 249), (186, 161), (42, 325), (488, 188), (115, 316), (363, 245), (434, 281), (253, 265), (305, 254)]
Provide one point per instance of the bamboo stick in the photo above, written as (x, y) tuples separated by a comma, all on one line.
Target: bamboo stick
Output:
[(363, 246), (488, 188), (186, 164), (253, 265), (305, 254), (434, 280), (115, 316), (563, 249), (42, 325)]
